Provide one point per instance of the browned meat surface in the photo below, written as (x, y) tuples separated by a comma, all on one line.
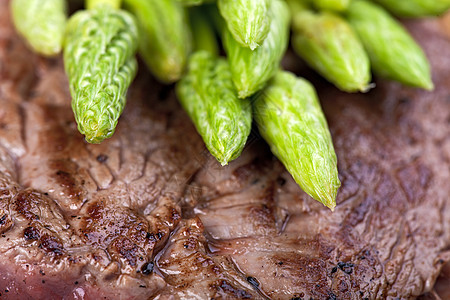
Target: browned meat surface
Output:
[(149, 214)]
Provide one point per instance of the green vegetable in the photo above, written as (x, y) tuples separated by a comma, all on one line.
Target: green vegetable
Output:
[(334, 5), (416, 8), (392, 51), (327, 5), (165, 36), (209, 97), (329, 45), (297, 6), (215, 18), (99, 61), (203, 34), (90, 4), (290, 119), (247, 20), (252, 69), (41, 23), (193, 2)]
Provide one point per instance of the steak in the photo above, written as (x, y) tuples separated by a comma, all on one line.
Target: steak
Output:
[(150, 214)]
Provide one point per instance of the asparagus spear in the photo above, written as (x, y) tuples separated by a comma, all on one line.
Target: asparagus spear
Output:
[(392, 51), (290, 119), (203, 34), (252, 69), (90, 4), (194, 2), (99, 61), (333, 5), (210, 99), (165, 37), (329, 45), (41, 23), (247, 20), (415, 8)]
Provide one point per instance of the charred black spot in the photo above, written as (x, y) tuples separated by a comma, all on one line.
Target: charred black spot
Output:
[(101, 158), (3, 218), (345, 267), (281, 181), (331, 296), (154, 237), (253, 281), (31, 233), (147, 268), (334, 270)]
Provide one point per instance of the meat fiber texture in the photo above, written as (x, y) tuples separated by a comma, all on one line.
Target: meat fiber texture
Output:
[(150, 214)]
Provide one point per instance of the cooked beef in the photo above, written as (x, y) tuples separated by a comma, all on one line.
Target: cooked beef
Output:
[(149, 213)]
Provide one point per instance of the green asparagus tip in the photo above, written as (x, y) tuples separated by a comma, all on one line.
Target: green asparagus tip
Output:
[(223, 163), (251, 44), (96, 129), (244, 94), (331, 206), (428, 85), (326, 193), (329, 199), (223, 157), (367, 87)]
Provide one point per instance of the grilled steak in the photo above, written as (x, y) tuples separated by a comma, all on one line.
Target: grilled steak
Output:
[(149, 213)]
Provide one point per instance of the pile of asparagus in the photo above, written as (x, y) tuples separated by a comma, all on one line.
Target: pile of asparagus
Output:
[(180, 41)]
